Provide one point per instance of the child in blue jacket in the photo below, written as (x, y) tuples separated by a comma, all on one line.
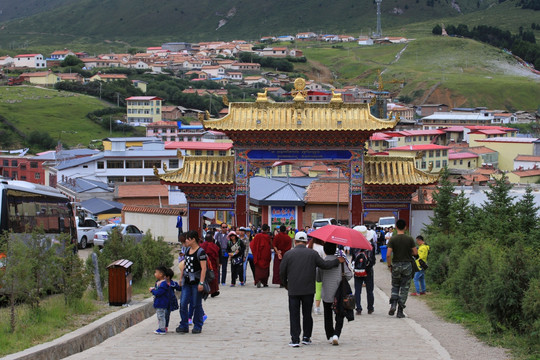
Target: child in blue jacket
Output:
[(173, 300), (161, 298)]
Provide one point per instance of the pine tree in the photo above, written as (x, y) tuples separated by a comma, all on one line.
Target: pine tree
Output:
[(499, 219), (443, 197), (527, 217)]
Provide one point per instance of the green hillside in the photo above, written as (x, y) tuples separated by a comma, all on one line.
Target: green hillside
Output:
[(140, 22), (455, 71), (60, 114)]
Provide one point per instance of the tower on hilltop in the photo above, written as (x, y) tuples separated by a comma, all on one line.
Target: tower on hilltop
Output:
[(378, 33)]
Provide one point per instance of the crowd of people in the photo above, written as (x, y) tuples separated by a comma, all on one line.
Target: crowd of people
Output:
[(307, 267)]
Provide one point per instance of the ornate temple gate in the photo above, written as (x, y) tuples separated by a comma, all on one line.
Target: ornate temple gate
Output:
[(263, 132)]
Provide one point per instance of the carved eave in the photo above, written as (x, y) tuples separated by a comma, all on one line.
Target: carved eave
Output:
[(394, 170), (202, 170), (299, 117)]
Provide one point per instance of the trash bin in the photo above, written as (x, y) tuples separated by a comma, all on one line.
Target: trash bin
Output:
[(383, 253), (120, 281)]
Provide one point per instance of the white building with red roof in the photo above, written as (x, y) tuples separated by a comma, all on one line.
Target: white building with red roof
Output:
[(527, 162), (34, 61), (201, 148)]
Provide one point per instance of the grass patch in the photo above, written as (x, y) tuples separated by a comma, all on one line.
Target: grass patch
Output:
[(59, 113), (523, 347), (52, 320)]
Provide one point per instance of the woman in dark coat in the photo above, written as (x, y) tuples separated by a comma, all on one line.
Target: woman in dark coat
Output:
[(212, 252)]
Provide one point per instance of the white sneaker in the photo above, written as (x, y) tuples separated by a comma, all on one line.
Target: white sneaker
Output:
[(318, 311), (335, 340)]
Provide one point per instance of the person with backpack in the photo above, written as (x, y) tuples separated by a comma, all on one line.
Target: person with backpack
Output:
[(194, 274), (421, 263), (363, 272)]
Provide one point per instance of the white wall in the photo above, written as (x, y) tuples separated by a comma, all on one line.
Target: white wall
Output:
[(420, 218), (159, 225)]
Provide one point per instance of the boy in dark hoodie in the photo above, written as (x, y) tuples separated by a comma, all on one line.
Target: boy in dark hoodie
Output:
[(161, 298), (173, 300)]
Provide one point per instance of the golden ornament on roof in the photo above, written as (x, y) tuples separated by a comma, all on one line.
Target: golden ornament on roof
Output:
[(262, 97), (299, 84)]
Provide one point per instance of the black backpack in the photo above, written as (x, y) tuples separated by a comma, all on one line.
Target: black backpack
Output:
[(361, 263)]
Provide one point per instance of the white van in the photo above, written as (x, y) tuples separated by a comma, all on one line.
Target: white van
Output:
[(386, 222), (319, 223)]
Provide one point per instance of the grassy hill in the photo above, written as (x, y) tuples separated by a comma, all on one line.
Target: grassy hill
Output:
[(141, 23), (60, 114), (455, 71)]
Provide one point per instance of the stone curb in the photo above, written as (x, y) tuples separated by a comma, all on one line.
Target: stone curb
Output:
[(89, 335)]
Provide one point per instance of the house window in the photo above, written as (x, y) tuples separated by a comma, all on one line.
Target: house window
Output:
[(210, 152), (33, 165), (133, 164), (222, 153), (37, 176), (430, 153), (23, 178), (173, 163), (134, 178), (444, 152), (14, 163), (23, 166), (423, 165), (115, 164), (101, 165), (455, 162), (115, 179), (425, 137), (149, 164), (468, 164), (15, 175), (414, 138), (444, 163), (198, 152), (438, 163), (408, 139), (376, 142), (460, 162), (437, 153), (6, 162)]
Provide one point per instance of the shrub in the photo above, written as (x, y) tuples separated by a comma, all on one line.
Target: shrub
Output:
[(531, 309)]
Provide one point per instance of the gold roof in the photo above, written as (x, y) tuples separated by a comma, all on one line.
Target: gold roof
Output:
[(394, 170), (299, 116), (217, 170)]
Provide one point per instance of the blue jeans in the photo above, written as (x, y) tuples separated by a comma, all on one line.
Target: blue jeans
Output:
[(420, 281), (358, 282), (224, 261), (191, 295), (161, 316), (249, 259)]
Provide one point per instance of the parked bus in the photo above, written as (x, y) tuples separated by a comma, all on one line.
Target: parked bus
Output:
[(25, 206)]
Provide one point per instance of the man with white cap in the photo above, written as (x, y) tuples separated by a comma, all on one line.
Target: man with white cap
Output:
[(363, 264), (297, 273)]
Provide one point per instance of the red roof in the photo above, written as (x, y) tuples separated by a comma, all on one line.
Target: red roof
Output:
[(378, 136), (141, 190), (526, 173), (527, 158), (143, 98), (488, 127), (421, 132), (420, 147), (27, 55), (480, 150), (326, 192), (197, 145), (164, 123), (462, 155), (453, 129), (489, 132)]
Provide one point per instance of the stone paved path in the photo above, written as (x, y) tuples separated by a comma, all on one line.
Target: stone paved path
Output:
[(246, 322)]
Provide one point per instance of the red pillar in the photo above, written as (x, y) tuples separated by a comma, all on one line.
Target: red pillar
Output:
[(299, 218), (241, 211), (356, 209), (264, 214), (194, 219), (406, 215)]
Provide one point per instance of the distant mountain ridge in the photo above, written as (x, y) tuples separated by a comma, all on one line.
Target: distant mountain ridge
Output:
[(135, 20)]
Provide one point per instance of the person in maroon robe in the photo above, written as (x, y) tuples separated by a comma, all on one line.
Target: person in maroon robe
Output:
[(212, 253), (261, 247), (282, 244)]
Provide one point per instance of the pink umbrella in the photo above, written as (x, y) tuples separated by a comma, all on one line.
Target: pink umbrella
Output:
[(342, 235)]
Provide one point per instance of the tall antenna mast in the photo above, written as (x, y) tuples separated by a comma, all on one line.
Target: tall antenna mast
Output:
[(378, 33)]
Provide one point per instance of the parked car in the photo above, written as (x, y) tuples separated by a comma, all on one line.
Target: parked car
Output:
[(319, 223), (86, 229), (126, 230), (386, 222)]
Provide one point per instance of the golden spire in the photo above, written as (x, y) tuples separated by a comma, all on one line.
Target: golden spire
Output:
[(299, 92)]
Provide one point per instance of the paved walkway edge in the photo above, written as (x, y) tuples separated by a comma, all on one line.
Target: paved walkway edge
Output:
[(421, 331), (89, 335)]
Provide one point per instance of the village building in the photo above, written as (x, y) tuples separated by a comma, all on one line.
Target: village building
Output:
[(509, 148), (34, 61), (143, 110)]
